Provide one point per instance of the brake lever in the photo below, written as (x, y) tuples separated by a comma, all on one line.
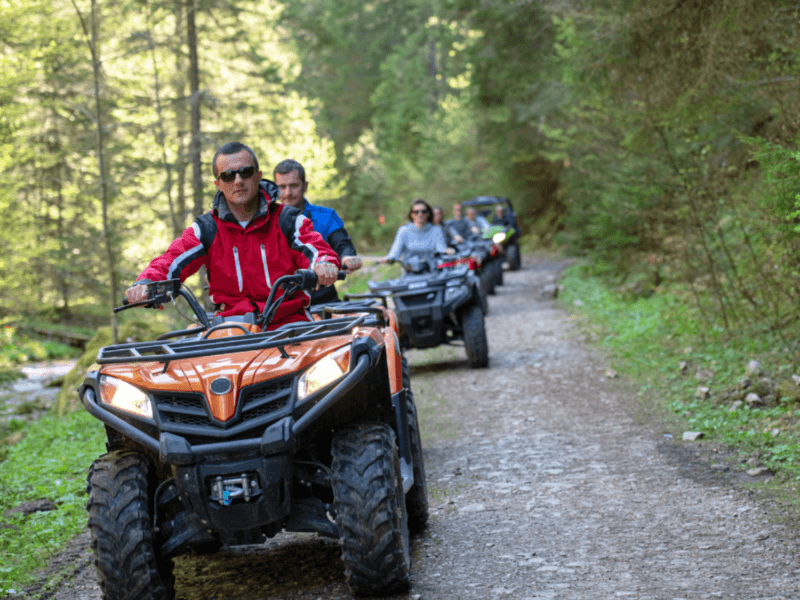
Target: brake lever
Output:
[(149, 303)]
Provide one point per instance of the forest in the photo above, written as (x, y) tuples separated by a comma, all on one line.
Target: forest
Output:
[(657, 139)]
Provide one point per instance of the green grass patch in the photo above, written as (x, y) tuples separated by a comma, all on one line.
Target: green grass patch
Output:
[(17, 348), (649, 339), (51, 462)]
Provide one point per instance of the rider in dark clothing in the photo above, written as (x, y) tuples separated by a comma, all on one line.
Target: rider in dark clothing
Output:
[(501, 218), (458, 227)]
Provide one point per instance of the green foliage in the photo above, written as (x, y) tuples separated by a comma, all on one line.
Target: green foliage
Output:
[(648, 339), (665, 107), (54, 255), (9, 375), (780, 165), (51, 462), (16, 349), (399, 103)]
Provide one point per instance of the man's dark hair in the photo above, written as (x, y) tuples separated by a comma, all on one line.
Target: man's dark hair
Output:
[(232, 148), (289, 165)]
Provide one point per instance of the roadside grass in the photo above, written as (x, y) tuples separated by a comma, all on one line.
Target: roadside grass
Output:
[(648, 339), (50, 462)]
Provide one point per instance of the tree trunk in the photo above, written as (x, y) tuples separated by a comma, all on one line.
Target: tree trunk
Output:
[(181, 124), (195, 149), (92, 41), (162, 138), (194, 83)]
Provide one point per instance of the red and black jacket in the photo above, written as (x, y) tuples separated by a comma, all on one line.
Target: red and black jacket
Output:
[(242, 263)]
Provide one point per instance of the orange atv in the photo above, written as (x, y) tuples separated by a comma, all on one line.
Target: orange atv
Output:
[(226, 434)]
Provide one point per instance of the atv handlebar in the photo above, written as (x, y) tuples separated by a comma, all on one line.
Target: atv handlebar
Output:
[(161, 292), (304, 279), (158, 292)]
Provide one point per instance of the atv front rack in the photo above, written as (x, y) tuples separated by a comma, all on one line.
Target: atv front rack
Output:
[(294, 333)]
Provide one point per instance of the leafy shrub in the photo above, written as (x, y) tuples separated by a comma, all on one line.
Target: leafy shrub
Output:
[(16, 349)]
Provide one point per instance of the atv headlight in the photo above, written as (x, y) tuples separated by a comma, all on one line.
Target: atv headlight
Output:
[(324, 372), (499, 237), (125, 396)]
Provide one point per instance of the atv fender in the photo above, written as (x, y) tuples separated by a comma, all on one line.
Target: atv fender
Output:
[(393, 358), (477, 298), (368, 346), (400, 426)]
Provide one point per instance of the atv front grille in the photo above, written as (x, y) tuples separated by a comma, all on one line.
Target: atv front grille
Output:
[(418, 299), (182, 409), (265, 399), (187, 414)]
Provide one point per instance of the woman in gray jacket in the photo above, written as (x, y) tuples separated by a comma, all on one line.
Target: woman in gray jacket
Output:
[(418, 238)]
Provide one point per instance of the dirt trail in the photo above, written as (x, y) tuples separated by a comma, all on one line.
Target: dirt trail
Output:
[(543, 484)]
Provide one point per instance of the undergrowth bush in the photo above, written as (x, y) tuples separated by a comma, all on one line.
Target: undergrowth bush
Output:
[(16, 349)]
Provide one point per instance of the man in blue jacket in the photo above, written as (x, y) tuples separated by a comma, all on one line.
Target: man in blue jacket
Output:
[(291, 179)]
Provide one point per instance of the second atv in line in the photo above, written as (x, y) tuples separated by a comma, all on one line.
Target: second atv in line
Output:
[(436, 303)]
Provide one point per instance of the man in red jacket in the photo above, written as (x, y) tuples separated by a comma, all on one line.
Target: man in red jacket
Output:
[(246, 242)]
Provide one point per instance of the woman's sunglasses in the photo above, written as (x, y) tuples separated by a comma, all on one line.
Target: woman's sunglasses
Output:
[(419, 212), (244, 173)]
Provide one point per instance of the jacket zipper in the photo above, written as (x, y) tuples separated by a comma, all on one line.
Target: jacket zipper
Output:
[(264, 262), (238, 268)]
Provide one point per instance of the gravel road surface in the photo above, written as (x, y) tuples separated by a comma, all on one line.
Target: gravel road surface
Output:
[(546, 481)]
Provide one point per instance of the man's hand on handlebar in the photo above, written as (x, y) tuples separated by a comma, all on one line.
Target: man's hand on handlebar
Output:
[(351, 264), (327, 273), (136, 293)]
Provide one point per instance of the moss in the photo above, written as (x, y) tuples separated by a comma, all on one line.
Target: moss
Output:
[(133, 331), (788, 392)]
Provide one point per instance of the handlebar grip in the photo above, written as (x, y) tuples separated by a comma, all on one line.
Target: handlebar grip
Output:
[(341, 276)]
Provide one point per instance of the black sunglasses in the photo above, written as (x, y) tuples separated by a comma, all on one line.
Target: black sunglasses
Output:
[(244, 173), (419, 212)]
